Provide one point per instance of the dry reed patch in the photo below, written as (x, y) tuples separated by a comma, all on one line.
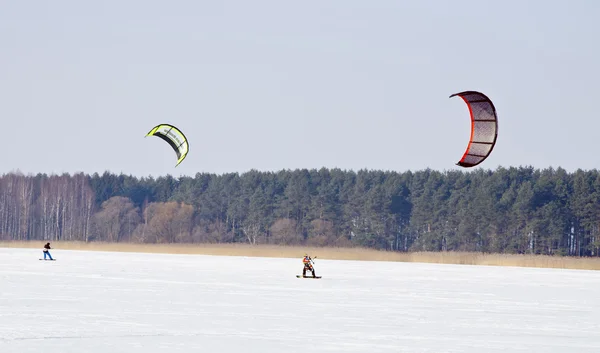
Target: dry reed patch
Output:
[(332, 253)]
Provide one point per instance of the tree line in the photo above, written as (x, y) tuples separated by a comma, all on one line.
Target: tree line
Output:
[(507, 210)]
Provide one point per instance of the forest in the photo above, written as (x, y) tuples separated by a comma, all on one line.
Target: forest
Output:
[(518, 210)]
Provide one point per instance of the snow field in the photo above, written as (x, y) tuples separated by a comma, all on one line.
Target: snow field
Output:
[(128, 302)]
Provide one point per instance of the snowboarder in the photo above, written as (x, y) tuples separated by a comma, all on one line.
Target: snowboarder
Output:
[(46, 252), (307, 261)]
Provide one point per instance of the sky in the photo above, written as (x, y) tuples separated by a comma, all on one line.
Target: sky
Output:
[(271, 85)]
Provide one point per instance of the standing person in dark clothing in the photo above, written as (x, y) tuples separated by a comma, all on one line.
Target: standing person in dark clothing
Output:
[(46, 252)]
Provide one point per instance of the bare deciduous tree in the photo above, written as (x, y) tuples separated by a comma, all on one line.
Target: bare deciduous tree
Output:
[(285, 231), (117, 219), (166, 222)]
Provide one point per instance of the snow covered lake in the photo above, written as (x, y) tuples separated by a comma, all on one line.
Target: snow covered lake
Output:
[(90, 302)]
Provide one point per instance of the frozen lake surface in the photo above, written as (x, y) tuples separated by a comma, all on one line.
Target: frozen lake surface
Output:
[(88, 302)]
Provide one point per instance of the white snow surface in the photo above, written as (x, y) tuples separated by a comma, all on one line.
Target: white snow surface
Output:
[(90, 302)]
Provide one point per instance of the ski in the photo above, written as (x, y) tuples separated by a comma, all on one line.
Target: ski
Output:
[(300, 276), (47, 259)]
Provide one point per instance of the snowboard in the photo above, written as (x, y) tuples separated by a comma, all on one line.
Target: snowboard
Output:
[(47, 259), (300, 276)]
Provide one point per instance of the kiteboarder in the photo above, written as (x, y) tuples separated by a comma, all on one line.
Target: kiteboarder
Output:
[(307, 261), (46, 252)]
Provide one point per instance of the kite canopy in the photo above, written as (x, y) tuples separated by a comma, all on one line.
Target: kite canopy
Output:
[(174, 137), (484, 128)]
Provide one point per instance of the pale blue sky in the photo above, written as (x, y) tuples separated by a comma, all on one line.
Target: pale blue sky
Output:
[(277, 84)]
